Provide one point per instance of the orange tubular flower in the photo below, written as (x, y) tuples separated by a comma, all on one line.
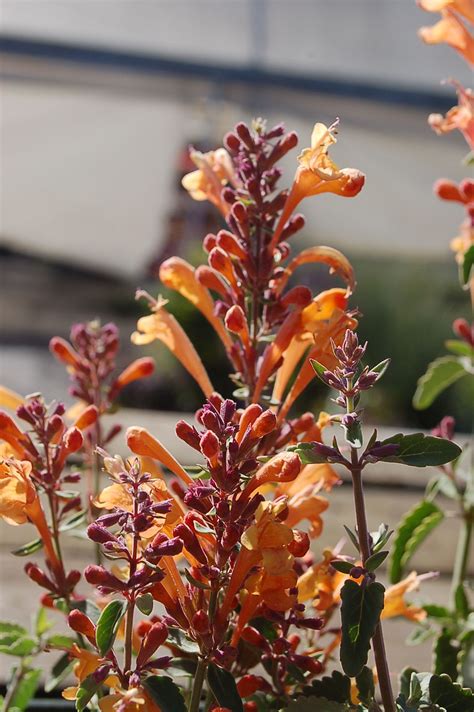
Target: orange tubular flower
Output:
[(451, 30), (87, 663), (133, 700), (321, 583), (463, 7), (141, 442), (460, 117), (266, 544), (317, 174), (215, 170), (163, 326), (395, 604), (337, 262), (323, 319), (19, 503), (9, 399), (179, 275)]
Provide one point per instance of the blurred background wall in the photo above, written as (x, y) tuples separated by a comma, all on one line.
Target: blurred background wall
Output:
[(100, 101)]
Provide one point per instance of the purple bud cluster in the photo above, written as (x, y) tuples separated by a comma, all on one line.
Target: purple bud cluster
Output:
[(97, 348), (129, 526)]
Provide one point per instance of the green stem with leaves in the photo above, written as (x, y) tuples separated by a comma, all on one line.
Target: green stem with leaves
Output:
[(462, 553), (378, 643)]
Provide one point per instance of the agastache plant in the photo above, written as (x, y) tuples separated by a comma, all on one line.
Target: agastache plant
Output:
[(212, 562)]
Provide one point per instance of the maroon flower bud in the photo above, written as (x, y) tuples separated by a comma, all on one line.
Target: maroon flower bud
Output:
[(254, 637), (188, 433), (244, 134), (99, 576), (465, 332), (445, 429), (210, 420), (230, 537), (231, 142), (311, 623), (200, 622), (307, 664), (101, 673), (80, 623), (38, 576), (99, 534), (190, 541), (228, 409), (73, 578), (209, 445), (357, 572)]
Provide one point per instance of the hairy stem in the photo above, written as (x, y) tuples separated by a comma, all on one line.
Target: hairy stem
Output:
[(197, 686), (378, 643)]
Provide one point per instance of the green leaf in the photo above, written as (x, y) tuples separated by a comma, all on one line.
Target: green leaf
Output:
[(61, 669), (194, 582), (29, 548), (108, 625), (435, 611), (73, 521), (42, 623), (449, 695), (165, 693), (360, 613), (145, 603), (223, 687), (318, 368), (336, 687), (404, 681), (352, 537), (10, 629), (411, 532), (467, 264), (461, 602), (315, 704), (376, 560), (353, 434), (460, 348), (20, 647), (380, 537), (440, 374), (446, 655), (26, 690), (366, 686), (86, 692), (308, 455), (60, 641), (88, 607), (380, 368), (419, 450), (182, 667), (344, 567), (179, 640)]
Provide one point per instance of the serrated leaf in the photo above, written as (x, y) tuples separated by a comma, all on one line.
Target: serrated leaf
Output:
[(28, 549), (446, 655), (145, 603), (411, 532), (61, 669), (376, 560), (419, 450), (360, 613), (108, 625), (467, 264), (449, 695), (179, 640), (353, 434), (223, 687), (336, 687), (25, 690), (440, 374), (165, 693), (315, 704)]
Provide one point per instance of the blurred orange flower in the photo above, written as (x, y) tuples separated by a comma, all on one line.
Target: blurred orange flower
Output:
[(451, 30), (460, 117), (214, 170), (395, 603)]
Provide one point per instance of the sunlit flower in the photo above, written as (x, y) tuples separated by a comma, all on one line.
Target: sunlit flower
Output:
[(460, 117), (87, 663), (215, 170), (317, 173), (162, 326), (395, 603), (175, 273), (307, 505), (451, 30), (321, 583), (9, 399), (17, 492), (463, 7), (133, 700)]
